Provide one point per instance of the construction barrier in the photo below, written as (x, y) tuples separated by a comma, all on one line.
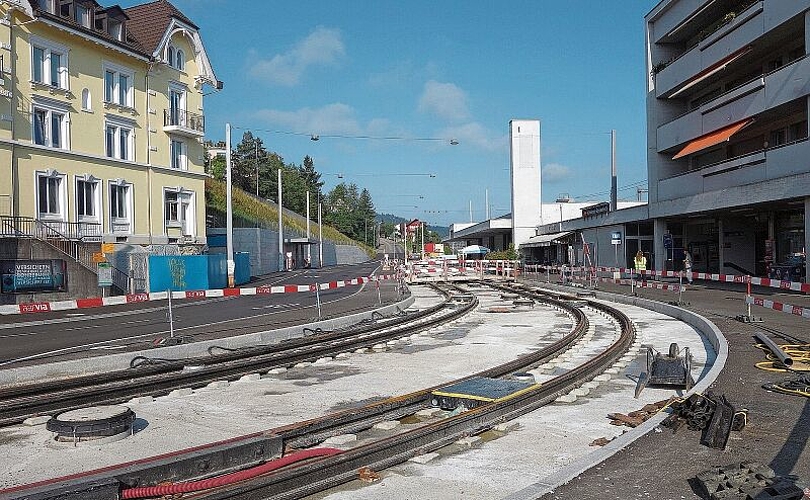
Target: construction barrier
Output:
[(65, 305)]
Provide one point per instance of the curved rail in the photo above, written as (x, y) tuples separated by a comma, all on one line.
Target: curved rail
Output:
[(20, 402)]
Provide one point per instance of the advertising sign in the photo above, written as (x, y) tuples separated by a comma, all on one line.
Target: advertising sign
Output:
[(33, 275)]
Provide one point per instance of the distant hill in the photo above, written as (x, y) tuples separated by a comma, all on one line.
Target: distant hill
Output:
[(442, 231)]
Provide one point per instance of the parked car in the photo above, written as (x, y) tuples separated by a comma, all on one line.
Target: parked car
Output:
[(792, 269)]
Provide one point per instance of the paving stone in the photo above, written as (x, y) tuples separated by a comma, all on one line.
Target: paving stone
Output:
[(470, 441), (322, 361), (38, 420), (387, 425), (181, 392), (423, 459), (218, 384), (250, 377), (277, 371), (566, 398), (341, 439), (429, 413), (303, 364), (142, 400)]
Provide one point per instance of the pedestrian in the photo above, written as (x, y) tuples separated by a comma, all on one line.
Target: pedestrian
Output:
[(687, 265), (641, 265)]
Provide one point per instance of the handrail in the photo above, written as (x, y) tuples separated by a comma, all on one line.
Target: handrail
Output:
[(184, 119)]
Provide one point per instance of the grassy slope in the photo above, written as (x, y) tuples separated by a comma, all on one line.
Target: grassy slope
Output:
[(250, 208)]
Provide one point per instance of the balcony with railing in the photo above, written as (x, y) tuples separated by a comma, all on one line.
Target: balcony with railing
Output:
[(182, 122), (751, 168), (759, 95)]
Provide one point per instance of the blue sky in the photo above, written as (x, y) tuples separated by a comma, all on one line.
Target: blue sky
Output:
[(357, 72)]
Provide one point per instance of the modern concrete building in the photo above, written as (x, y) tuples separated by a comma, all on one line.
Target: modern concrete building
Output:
[(524, 167), (727, 106), (101, 122)]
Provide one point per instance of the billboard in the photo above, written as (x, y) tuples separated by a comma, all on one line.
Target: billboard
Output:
[(33, 276)]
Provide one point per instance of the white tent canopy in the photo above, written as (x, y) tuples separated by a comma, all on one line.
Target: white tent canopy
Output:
[(474, 250)]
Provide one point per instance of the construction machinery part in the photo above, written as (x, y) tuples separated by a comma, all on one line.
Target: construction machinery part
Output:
[(672, 369)]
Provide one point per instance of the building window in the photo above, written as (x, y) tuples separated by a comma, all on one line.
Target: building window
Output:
[(179, 211), (120, 207), (87, 199), (180, 60), (50, 127), (115, 29), (118, 86), (50, 195), (87, 104), (82, 15), (118, 141), (171, 208), (170, 56), (49, 63), (178, 153), (46, 5)]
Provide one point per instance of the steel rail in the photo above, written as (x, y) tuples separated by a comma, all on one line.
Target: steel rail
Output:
[(325, 473), (121, 386), (310, 432)]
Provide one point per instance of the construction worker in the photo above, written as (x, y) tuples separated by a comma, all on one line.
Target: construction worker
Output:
[(641, 265)]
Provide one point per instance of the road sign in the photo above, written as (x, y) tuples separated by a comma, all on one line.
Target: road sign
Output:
[(104, 274), (668, 241), (616, 238), (99, 257)]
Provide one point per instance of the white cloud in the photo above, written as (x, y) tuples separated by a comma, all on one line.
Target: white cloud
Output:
[(337, 118), (444, 100), (473, 134), (554, 173), (323, 47)]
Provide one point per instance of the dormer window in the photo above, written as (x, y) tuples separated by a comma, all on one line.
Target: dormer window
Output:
[(65, 8), (46, 5), (83, 15), (115, 29)]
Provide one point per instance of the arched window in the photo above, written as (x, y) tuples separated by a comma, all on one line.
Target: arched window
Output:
[(181, 59), (170, 56), (86, 104)]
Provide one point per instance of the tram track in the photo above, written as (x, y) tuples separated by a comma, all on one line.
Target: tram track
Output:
[(327, 472), (324, 473), (149, 376)]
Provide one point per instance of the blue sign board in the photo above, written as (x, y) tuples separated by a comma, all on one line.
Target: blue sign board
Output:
[(668, 241), (33, 275)]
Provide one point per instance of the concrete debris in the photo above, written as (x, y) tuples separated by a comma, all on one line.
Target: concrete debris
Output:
[(367, 475), (602, 441), (747, 480), (636, 418)]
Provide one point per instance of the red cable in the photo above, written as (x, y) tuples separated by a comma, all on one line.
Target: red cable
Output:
[(234, 477)]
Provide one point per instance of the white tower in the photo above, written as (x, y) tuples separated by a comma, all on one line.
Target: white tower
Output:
[(524, 154)]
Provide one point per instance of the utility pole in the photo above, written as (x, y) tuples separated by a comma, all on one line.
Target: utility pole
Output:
[(614, 194), (256, 146), (280, 227), (229, 207)]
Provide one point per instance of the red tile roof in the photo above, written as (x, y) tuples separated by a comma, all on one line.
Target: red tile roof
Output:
[(148, 22)]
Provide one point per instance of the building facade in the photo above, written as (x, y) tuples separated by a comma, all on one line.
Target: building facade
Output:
[(727, 117), (101, 127), (101, 120)]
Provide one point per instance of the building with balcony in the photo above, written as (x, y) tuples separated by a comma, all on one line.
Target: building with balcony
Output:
[(727, 118), (101, 127)]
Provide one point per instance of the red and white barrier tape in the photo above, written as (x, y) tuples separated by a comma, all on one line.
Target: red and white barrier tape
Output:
[(804, 312), (794, 286), (65, 305), (638, 284)]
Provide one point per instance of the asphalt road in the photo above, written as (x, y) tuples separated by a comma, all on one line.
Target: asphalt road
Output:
[(56, 336)]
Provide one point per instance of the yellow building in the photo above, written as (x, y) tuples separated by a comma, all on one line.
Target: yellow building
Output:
[(101, 119), (101, 123)]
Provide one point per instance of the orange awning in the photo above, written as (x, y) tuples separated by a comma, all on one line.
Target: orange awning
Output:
[(713, 138)]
